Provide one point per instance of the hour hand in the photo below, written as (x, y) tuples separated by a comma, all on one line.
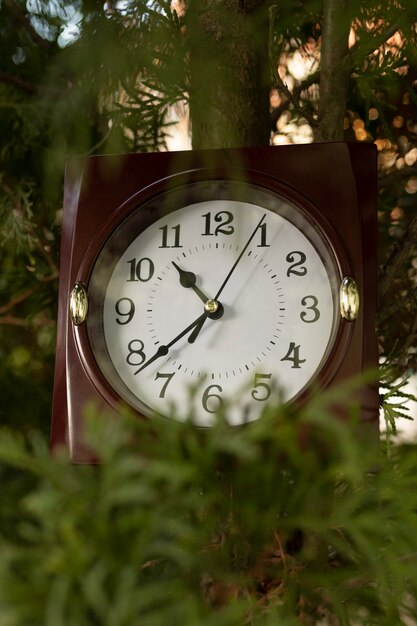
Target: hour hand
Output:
[(188, 280), (164, 349)]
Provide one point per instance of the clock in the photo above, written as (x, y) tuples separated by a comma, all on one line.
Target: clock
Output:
[(214, 282), (224, 288)]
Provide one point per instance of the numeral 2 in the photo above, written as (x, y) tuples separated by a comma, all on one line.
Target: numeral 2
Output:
[(296, 259)]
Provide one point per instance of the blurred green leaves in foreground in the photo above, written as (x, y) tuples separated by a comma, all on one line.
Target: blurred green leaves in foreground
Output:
[(297, 518)]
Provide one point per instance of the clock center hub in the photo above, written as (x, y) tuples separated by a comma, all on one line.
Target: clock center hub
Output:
[(214, 308)]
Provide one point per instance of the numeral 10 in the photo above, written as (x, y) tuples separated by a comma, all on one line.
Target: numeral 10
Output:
[(140, 270)]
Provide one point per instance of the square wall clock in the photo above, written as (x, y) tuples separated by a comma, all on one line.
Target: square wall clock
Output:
[(237, 272)]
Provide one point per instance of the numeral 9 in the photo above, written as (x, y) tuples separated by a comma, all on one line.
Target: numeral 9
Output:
[(125, 312)]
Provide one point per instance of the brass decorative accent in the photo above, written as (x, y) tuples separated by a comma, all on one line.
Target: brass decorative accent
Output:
[(211, 306), (349, 299), (78, 304)]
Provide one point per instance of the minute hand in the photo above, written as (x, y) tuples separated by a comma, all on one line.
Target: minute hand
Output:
[(201, 323), (163, 350)]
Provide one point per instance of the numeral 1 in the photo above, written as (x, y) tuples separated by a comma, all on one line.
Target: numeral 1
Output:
[(165, 231), (263, 243)]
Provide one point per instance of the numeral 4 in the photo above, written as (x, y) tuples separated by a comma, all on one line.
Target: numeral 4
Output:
[(293, 355)]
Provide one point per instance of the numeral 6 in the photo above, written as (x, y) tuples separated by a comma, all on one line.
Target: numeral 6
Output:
[(209, 396)]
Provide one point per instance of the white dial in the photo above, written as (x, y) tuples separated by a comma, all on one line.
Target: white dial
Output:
[(221, 304)]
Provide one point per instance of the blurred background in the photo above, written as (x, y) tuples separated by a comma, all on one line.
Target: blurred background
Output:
[(90, 77)]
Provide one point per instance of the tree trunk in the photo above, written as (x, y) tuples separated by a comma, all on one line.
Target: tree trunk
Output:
[(335, 69), (229, 72)]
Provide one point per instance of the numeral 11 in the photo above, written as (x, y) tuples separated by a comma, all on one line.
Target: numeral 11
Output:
[(165, 231)]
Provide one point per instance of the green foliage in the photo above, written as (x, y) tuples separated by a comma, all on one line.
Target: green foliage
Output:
[(111, 86), (395, 401), (107, 89), (293, 519)]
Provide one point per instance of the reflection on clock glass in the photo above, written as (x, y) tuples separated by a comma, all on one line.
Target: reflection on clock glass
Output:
[(220, 304)]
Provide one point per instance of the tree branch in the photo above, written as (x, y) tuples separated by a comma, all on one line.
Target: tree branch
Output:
[(405, 172), (335, 69), (313, 79), (411, 338), (400, 252), (410, 297), (24, 295), (17, 300), (379, 39), (10, 320), (22, 18), (17, 82), (292, 97), (229, 101)]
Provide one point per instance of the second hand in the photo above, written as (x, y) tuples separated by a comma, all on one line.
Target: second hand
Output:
[(202, 321)]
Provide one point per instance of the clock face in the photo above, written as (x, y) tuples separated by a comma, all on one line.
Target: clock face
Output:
[(214, 296)]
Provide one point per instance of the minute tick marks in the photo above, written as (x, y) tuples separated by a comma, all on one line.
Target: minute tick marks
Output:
[(242, 266)]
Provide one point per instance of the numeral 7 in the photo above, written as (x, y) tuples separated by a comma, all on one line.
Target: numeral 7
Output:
[(168, 378)]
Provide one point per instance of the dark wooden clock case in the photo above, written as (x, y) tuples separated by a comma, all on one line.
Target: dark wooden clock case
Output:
[(336, 185)]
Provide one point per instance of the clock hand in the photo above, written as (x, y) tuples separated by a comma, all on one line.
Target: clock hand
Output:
[(245, 247), (197, 328), (199, 325), (189, 279), (163, 350), (213, 309)]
